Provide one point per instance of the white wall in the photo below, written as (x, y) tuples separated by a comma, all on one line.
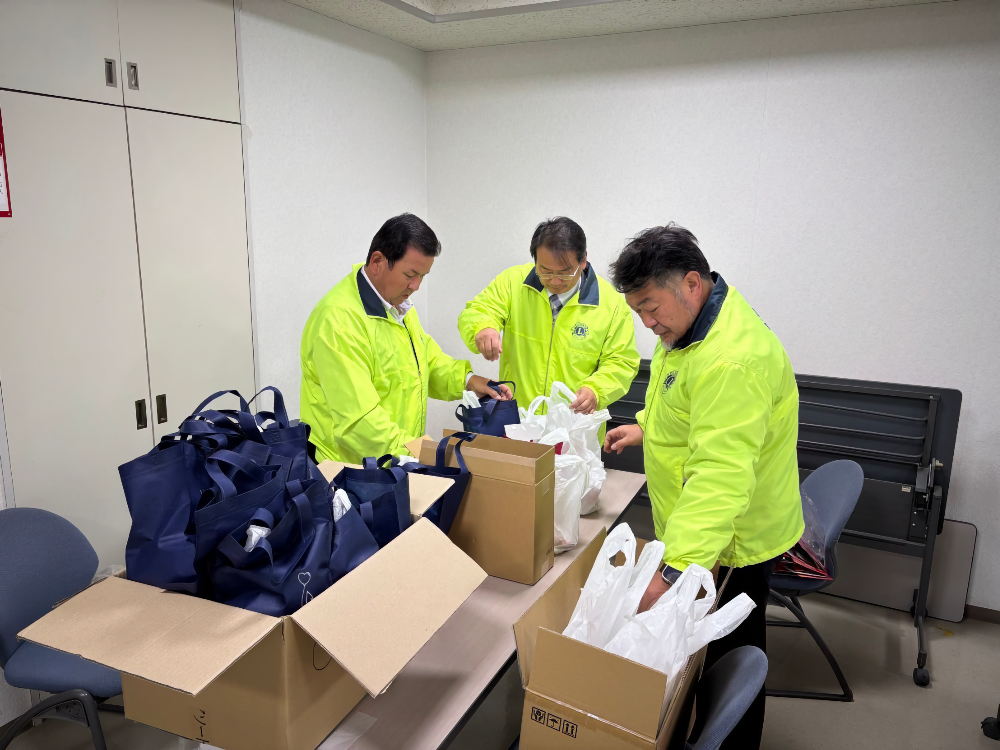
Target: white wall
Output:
[(336, 145), (842, 170)]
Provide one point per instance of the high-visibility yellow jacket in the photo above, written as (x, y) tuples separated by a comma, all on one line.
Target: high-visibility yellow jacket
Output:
[(721, 424), (591, 343), (366, 377)]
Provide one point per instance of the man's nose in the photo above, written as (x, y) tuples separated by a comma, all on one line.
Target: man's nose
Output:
[(647, 320), (415, 284)]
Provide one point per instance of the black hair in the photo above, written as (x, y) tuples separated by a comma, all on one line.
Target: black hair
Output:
[(660, 254), (401, 232), (561, 236)]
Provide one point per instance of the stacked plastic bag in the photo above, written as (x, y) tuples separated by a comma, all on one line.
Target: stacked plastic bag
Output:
[(580, 472), (665, 636)]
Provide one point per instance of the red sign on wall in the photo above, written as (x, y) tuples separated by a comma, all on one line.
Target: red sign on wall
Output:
[(4, 184)]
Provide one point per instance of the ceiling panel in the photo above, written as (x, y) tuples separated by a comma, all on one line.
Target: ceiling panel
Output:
[(455, 24)]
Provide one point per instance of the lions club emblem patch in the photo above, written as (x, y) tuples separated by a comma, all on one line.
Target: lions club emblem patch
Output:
[(669, 381), (580, 331)]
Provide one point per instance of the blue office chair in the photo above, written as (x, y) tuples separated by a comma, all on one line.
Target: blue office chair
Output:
[(834, 488), (724, 694), (43, 560)]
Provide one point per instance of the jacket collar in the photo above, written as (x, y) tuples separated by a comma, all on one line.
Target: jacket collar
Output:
[(589, 290), (369, 298), (708, 315)]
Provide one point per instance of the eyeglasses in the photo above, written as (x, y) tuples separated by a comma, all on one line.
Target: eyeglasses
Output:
[(563, 276)]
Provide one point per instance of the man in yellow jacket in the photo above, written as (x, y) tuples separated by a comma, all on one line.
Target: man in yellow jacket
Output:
[(560, 321), (368, 367), (718, 432)]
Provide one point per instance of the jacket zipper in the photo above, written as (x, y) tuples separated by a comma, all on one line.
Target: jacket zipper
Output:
[(423, 401), (548, 363)]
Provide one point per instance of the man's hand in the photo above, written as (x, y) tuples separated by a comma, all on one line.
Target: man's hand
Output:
[(586, 401), (622, 437), (656, 588), (479, 385), (488, 344)]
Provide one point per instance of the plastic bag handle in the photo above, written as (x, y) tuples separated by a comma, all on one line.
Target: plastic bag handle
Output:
[(538, 401), (561, 389)]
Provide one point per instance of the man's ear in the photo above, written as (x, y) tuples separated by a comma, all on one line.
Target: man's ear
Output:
[(376, 263), (692, 283)]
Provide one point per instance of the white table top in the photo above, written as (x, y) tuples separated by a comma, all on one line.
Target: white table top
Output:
[(435, 690)]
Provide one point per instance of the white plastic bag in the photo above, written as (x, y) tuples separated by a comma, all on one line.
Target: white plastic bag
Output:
[(530, 432), (572, 478), (645, 568), (678, 625), (340, 504), (528, 416), (583, 430), (603, 597)]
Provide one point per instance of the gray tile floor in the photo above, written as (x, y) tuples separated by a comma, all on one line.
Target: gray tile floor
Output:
[(876, 648)]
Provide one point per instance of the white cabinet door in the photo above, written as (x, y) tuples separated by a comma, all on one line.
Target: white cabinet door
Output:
[(184, 53), (59, 47), (187, 179), (72, 353)]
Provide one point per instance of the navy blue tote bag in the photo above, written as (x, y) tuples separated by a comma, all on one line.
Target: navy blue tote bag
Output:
[(492, 415), (353, 543), (290, 566), (163, 489), (226, 508), (286, 439), (381, 497), (442, 513)]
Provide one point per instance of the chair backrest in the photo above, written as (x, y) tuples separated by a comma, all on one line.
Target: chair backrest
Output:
[(43, 560), (834, 488), (725, 692)]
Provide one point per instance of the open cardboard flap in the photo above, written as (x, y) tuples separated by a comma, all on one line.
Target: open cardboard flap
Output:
[(172, 639), (376, 618), (424, 490), (414, 445)]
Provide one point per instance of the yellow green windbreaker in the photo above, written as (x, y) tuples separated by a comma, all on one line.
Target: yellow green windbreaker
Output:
[(591, 343), (721, 424), (366, 377)]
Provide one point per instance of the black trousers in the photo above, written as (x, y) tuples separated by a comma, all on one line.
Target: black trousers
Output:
[(753, 581)]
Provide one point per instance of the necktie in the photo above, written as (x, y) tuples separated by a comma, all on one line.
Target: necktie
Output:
[(555, 304)]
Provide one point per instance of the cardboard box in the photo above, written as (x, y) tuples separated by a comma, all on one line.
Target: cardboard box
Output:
[(507, 517), (239, 680), (424, 490), (583, 698)]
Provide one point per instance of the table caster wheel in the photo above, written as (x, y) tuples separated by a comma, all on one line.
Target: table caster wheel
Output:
[(921, 677)]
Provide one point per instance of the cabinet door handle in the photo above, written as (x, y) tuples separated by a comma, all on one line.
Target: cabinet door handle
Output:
[(140, 414), (132, 73), (161, 408), (110, 72)]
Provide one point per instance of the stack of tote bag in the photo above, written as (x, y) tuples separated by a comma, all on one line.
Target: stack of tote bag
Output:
[(231, 508)]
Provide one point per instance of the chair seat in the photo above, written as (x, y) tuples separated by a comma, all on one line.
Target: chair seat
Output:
[(35, 667)]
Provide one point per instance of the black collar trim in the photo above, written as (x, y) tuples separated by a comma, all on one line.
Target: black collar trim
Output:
[(589, 289), (369, 298), (708, 315)]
